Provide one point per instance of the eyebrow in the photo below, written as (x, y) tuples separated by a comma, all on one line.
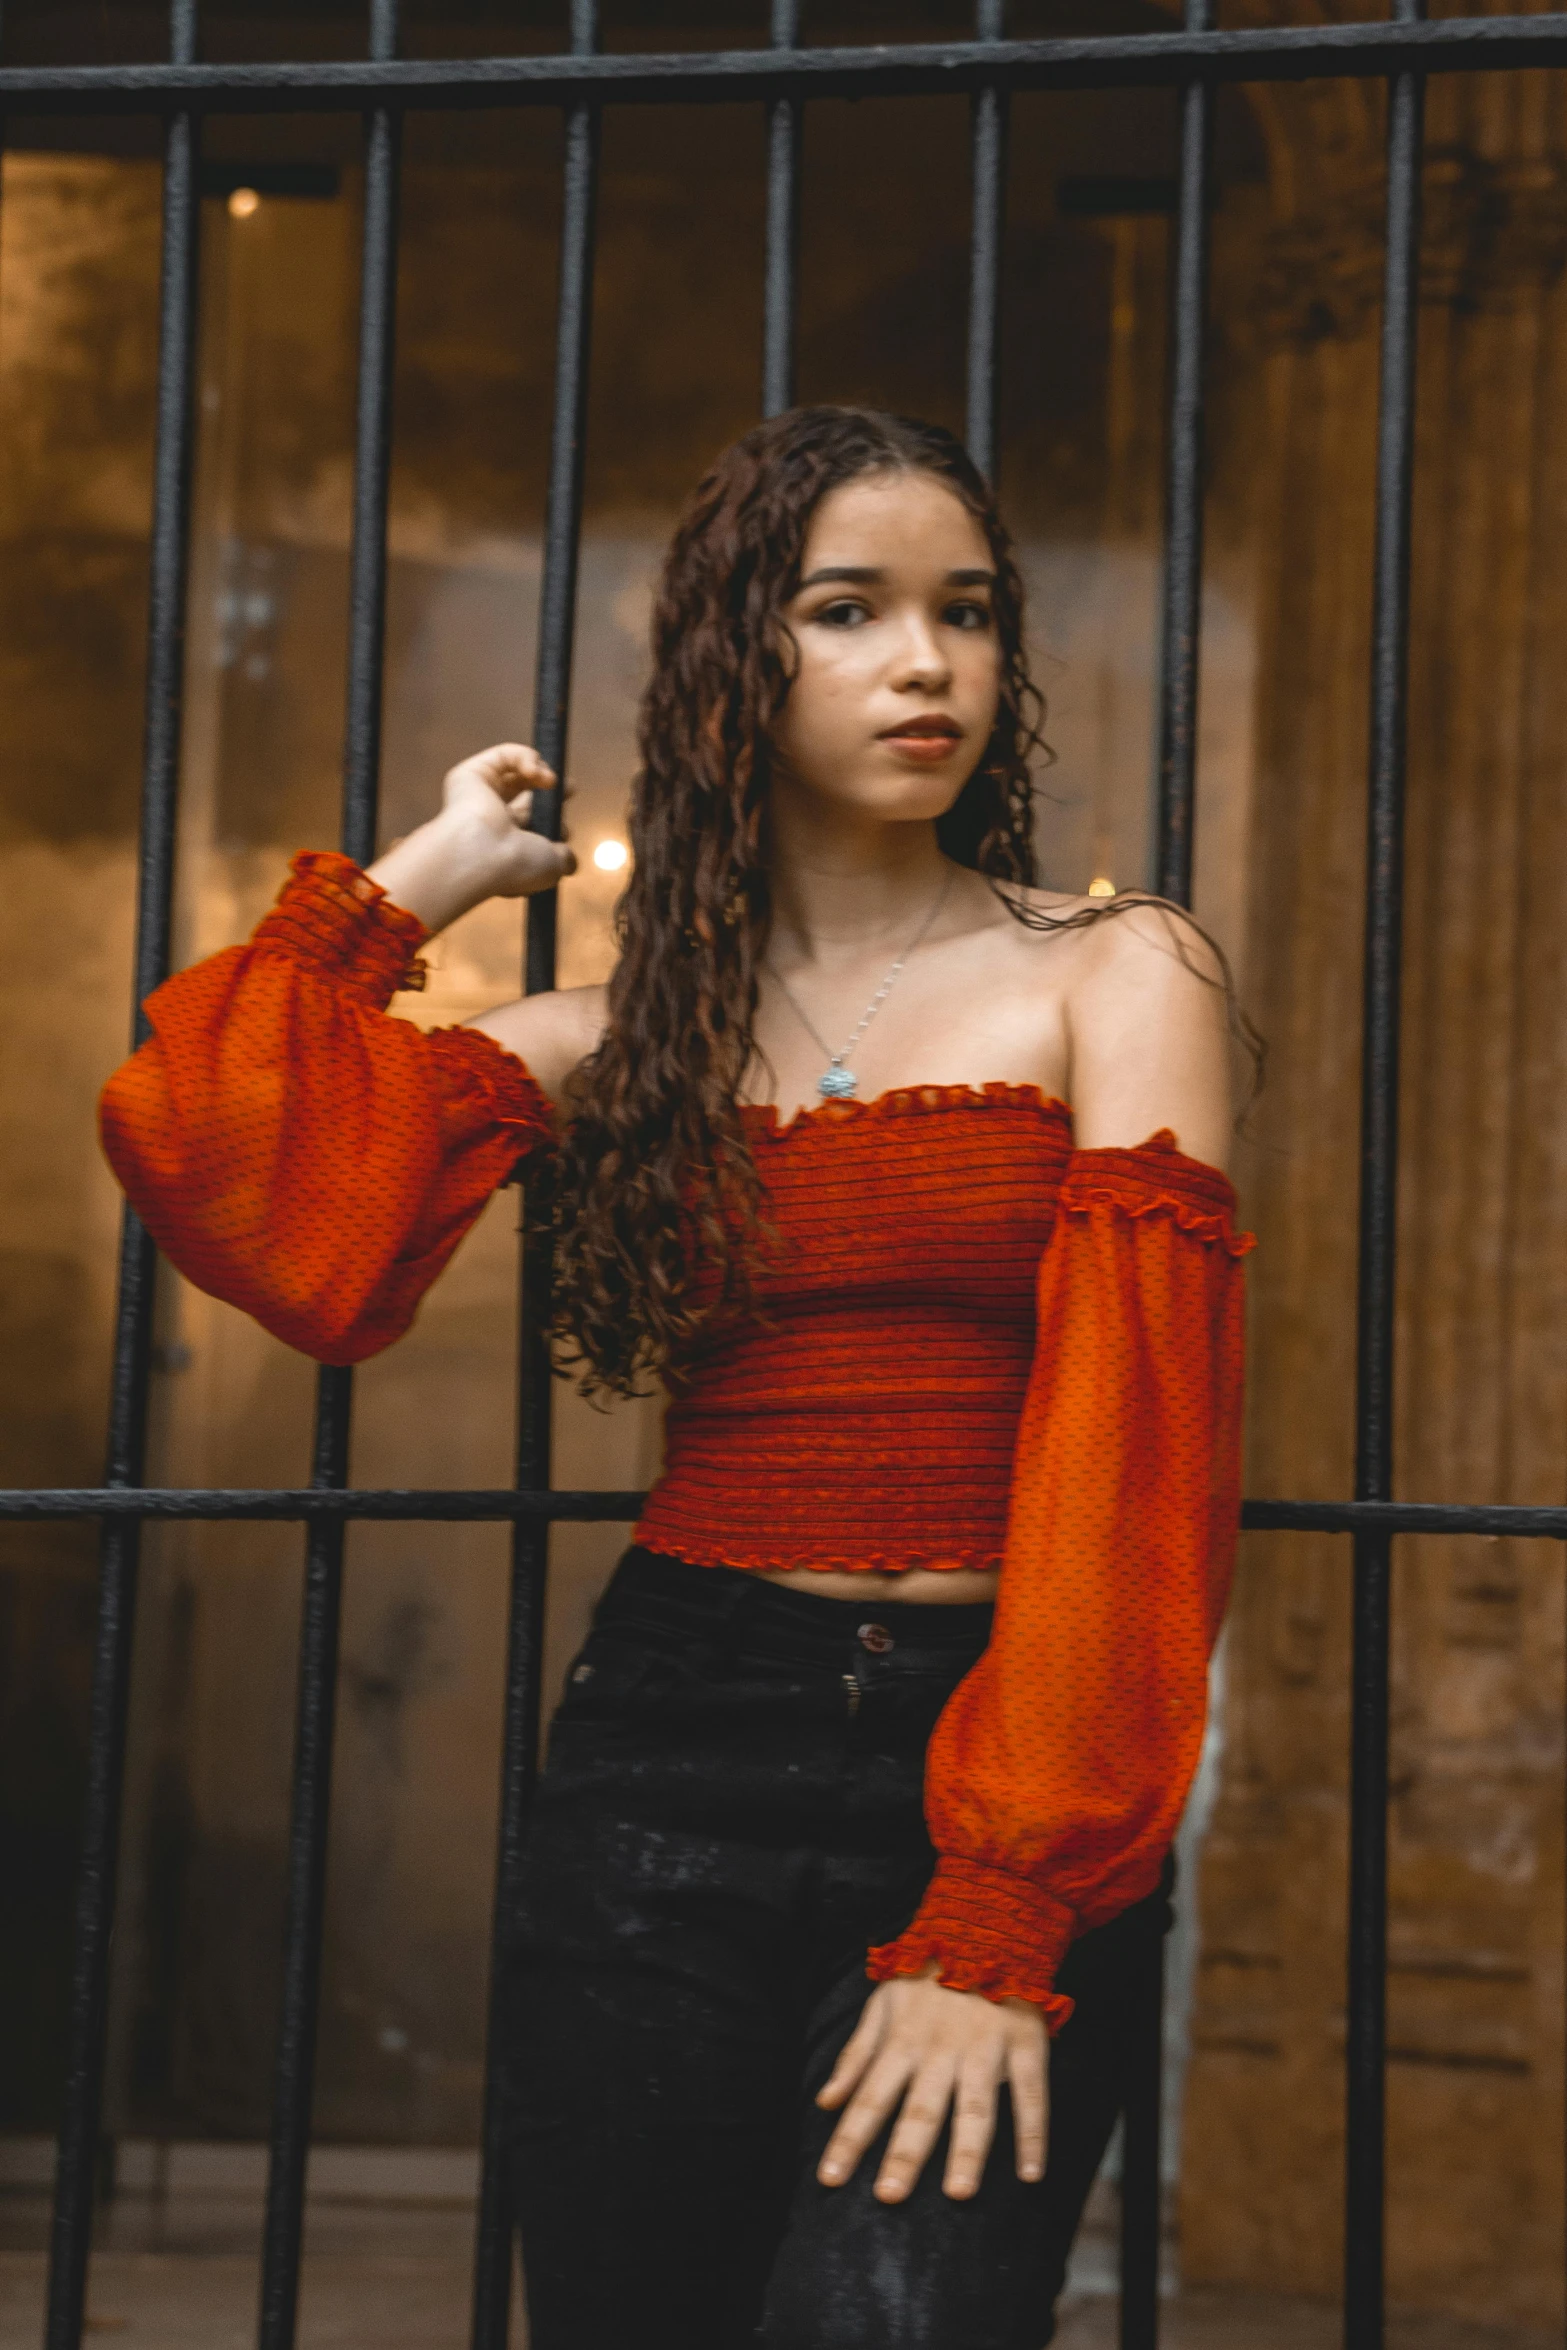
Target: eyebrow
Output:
[(862, 575)]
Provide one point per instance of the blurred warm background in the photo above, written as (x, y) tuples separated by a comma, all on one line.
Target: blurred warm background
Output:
[(1476, 2175)]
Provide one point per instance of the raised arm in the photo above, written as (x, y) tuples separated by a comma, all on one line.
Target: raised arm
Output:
[(291, 1148)]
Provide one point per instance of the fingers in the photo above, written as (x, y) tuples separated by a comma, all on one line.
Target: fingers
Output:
[(505, 769), (973, 2128), (855, 2054), (506, 765), (557, 853), (1027, 2077), (918, 2127), (866, 2116), (926, 2051)]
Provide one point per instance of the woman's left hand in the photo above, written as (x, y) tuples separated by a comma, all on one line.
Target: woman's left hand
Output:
[(937, 2049)]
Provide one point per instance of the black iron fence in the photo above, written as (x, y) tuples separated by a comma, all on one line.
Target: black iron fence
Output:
[(783, 77)]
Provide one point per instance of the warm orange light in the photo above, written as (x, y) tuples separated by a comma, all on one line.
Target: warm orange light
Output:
[(1101, 886), (610, 855), (242, 203)]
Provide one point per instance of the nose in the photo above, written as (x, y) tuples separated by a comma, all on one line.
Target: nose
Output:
[(920, 662)]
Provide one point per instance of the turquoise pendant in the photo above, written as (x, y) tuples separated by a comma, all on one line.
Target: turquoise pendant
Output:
[(836, 1081)]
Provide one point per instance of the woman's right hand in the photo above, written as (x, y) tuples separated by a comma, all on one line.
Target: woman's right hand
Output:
[(479, 846)]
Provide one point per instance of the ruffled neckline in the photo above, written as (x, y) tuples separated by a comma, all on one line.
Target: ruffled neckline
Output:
[(905, 1101)]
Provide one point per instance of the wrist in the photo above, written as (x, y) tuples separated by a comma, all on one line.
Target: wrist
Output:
[(438, 872)]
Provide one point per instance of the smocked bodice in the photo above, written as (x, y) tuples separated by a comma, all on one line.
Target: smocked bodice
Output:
[(865, 1415)]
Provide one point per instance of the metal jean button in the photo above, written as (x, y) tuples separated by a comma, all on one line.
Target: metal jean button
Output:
[(876, 1638)]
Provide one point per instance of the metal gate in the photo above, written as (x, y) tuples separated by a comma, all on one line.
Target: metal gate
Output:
[(1190, 62)]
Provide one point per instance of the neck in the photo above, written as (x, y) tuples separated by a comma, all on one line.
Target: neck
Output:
[(845, 886)]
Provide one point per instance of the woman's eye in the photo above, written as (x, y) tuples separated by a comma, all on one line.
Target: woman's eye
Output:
[(845, 614), (970, 616)]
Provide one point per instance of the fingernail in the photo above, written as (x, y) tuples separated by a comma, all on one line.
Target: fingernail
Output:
[(830, 2173), (1030, 2170)]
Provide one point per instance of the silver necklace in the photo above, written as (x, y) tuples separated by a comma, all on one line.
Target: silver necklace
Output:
[(837, 1079)]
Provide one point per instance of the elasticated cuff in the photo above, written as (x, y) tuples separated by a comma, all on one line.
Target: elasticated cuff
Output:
[(480, 1078), (331, 913), (985, 1930), (1156, 1179)]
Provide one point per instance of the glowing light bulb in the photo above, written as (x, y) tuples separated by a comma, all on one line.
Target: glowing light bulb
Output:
[(1101, 886), (242, 203), (610, 855)]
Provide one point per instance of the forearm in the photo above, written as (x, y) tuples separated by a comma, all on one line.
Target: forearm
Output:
[(437, 873)]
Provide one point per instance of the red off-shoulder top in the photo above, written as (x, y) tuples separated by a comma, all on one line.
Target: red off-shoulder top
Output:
[(976, 1345)]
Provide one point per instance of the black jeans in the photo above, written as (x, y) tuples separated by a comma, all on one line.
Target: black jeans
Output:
[(731, 1811)]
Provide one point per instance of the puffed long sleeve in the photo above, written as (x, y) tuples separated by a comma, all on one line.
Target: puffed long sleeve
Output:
[(1057, 1774), (294, 1150)]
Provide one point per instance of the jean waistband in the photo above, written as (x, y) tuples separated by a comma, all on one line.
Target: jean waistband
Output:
[(663, 1592)]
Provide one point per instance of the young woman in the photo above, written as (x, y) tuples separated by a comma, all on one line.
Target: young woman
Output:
[(904, 1176)]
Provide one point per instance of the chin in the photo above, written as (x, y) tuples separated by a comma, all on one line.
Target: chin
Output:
[(904, 798)]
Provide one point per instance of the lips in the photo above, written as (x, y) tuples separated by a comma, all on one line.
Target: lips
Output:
[(923, 730)]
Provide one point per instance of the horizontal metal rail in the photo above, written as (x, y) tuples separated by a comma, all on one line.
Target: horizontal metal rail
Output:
[(1289, 53), (297, 1502), (1522, 1521)]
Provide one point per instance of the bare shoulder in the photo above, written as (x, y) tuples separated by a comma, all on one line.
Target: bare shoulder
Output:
[(552, 1033), (1152, 949), (1147, 1001), (1089, 944)]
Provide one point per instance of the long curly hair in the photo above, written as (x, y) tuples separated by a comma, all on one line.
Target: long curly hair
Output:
[(655, 1169)]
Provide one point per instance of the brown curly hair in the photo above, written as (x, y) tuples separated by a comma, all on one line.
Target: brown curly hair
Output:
[(655, 1164)]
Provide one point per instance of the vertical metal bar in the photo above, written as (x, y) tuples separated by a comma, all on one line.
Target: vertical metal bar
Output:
[(1365, 2052), (1180, 650), (1141, 2182), (491, 2322), (987, 230), (76, 2165), (1181, 619), (785, 124), (283, 2229)]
